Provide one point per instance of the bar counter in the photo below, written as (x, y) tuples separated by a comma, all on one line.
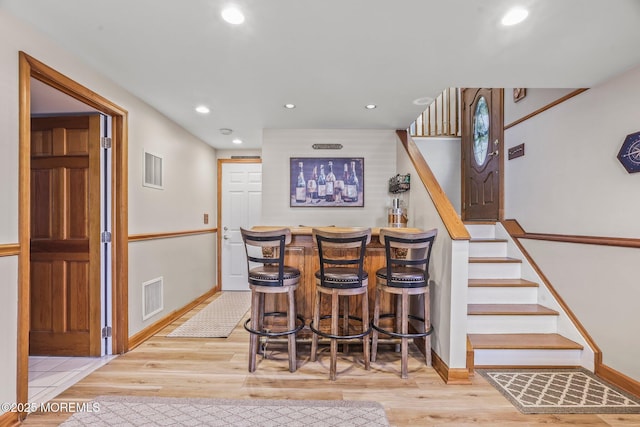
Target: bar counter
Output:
[(302, 254)]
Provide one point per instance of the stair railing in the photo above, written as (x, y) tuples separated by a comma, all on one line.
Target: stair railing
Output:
[(441, 118)]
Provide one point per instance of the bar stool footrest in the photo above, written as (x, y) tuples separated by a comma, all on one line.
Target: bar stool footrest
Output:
[(299, 320), (400, 335), (341, 337)]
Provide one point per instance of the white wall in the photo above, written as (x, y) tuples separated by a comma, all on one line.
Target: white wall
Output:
[(448, 272), (570, 182), (443, 155), (378, 147), (190, 179)]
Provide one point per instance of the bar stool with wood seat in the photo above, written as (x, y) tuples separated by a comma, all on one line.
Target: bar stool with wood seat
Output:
[(406, 274), (341, 274), (268, 274)]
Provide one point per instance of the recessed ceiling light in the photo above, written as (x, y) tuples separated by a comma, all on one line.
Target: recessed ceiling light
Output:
[(289, 106), (202, 109), (370, 106), (515, 16), (237, 141), (226, 131), (425, 100), (233, 15)]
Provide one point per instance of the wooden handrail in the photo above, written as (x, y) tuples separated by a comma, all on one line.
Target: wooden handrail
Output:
[(154, 236), (622, 242), (450, 218), (545, 108), (10, 249)]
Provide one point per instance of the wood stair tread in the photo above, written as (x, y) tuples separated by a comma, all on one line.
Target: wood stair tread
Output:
[(510, 309), (499, 283), (522, 341), (499, 259)]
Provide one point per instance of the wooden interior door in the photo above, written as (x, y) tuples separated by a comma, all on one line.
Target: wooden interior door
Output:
[(65, 236), (482, 154)]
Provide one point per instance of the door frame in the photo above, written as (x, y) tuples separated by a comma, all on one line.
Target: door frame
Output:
[(30, 67), (501, 150), (218, 286)]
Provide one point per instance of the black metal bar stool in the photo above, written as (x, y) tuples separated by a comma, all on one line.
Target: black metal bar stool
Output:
[(341, 274), (268, 274), (406, 274)]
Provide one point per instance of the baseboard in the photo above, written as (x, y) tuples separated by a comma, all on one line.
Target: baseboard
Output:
[(151, 330), (456, 376), (618, 379), (9, 419)]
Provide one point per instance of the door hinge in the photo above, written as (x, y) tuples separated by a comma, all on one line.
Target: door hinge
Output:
[(105, 237), (105, 142), (106, 332)]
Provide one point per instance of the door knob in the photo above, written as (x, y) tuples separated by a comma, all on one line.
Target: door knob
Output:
[(225, 237)]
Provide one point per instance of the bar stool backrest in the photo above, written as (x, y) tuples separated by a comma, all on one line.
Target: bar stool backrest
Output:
[(331, 246), (404, 249), (266, 248)]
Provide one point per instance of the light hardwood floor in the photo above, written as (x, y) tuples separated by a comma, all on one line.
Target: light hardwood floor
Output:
[(217, 368)]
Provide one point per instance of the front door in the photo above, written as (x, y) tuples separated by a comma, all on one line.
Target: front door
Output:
[(65, 236), (241, 206), (482, 154)]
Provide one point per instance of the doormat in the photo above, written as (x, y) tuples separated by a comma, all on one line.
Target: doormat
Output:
[(168, 411), (560, 391), (217, 319)]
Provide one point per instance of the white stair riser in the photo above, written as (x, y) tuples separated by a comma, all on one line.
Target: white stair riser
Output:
[(487, 249), (494, 270), (481, 231), (527, 357), (501, 295), (508, 324)]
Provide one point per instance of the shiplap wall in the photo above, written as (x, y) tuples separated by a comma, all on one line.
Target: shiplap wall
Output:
[(378, 147)]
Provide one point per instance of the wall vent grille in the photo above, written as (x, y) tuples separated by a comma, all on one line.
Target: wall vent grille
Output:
[(153, 171), (152, 297)]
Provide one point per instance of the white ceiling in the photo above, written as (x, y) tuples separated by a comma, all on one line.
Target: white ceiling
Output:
[(331, 57)]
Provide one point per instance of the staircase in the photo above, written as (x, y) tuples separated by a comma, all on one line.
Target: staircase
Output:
[(505, 324)]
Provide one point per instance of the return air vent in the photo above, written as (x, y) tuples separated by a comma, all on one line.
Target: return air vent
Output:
[(153, 171), (152, 297)]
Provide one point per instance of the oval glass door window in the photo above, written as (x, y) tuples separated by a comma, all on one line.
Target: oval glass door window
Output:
[(481, 131)]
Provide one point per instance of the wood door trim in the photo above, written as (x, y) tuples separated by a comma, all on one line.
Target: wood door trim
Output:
[(218, 286), (31, 67), (545, 108), (450, 218), (622, 242), (9, 249), (166, 235)]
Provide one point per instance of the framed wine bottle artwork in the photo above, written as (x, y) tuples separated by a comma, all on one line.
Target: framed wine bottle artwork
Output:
[(326, 181)]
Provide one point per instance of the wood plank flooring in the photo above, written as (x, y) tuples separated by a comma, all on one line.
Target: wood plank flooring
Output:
[(217, 368)]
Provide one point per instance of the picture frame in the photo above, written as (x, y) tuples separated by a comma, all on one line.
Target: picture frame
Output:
[(519, 93), (342, 184)]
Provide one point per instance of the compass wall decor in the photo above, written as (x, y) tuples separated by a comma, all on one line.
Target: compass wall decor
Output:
[(629, 154)]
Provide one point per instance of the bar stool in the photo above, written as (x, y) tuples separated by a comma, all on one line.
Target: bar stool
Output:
[(270, 276), (406, 274), (341, 274)]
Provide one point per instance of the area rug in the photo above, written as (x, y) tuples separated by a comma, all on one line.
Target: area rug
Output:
[(560, 391), (217, 319), (166, 411)]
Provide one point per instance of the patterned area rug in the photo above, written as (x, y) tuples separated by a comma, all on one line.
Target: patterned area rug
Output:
[(560, 391), (159, 411), (217, 319)]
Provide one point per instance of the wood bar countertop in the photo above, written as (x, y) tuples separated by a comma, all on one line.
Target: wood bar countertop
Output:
[(302, 254)]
